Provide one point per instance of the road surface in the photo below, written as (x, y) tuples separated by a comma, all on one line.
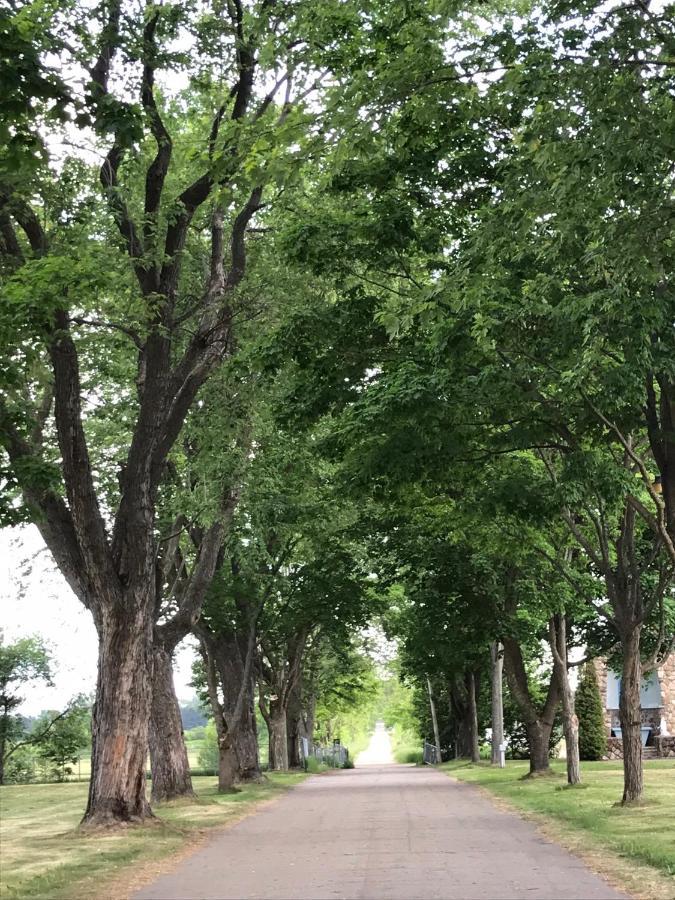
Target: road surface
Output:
[(381, 832)]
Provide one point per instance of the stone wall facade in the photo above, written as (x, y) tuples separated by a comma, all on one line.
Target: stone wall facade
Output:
[(661, 720), (614, 748), (666, 674), (665, 746)]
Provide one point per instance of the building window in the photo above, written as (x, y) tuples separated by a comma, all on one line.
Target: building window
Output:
[(650, 691)]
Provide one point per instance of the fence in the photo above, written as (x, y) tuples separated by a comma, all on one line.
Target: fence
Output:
[(334, 755), (431, 755)]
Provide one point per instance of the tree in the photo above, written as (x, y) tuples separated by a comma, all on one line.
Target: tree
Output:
[(64, 737), (592, 730), (24, 661), (168, 286)]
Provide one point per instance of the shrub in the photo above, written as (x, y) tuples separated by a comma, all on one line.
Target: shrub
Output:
[(208, 755), (408, 755), (20, 767), (588, 702), (314, 766)]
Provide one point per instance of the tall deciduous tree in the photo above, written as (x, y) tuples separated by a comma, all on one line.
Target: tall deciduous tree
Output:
[(249, 68)]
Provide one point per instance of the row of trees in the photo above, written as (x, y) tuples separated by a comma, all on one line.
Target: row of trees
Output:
[(296, 296)]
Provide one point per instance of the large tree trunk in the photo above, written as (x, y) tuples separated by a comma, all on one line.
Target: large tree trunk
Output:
[(630, 717), (245, 744), (538, 722), (120, 717), (168, 754), (278, 738), (227, 765), (459, 716), (310, 717), (473, 717), (294, 729), (497, 701), (230, 658), (538, 740)]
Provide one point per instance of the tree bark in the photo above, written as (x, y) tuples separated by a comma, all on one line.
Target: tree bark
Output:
[(278, 738), (558, 643), (459, 716), (538, 722), (630, 717), (120, 718), (168, 755), (497, 701), (538, 739), (473, 717), (230, 659), (227, 765), (434, 720), (295, 729), (245, 744)]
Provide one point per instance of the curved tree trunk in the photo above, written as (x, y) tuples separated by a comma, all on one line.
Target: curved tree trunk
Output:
[(168, 754), (120, 718), (630, 717), (497, 704), (538, 721)]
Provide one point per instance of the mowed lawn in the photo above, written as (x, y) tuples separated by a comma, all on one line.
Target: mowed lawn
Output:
[(645, 834), (42, 855)]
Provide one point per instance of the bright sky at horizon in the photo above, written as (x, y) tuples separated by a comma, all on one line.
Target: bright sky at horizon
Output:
[(35, 600)]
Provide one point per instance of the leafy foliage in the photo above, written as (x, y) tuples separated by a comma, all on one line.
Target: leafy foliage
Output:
[(588, 704)]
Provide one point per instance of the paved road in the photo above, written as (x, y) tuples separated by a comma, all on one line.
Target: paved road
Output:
[(379, 750), (384, 833)]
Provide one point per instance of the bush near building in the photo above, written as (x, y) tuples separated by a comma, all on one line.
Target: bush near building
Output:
[(588, 702)]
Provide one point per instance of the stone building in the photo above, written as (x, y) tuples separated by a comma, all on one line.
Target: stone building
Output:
[(657, 697)]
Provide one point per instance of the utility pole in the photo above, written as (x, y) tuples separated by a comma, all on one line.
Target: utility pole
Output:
[(437, 737)]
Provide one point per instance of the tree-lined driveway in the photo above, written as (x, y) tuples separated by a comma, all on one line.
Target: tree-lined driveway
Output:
[(381, 832)]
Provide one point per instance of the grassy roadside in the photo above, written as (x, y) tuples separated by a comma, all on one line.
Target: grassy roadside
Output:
[(633, 846), (43, 856)]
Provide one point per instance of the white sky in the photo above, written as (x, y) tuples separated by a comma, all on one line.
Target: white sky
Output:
[(35, 600)]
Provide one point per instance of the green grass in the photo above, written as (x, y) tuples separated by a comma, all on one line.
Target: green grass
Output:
[(406, 746), (645, 833), (44, 856)]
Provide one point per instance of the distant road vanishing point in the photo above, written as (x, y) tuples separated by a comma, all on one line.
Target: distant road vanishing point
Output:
[(379, 750)]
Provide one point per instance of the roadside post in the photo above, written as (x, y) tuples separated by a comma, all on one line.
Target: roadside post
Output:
[(502, 755)]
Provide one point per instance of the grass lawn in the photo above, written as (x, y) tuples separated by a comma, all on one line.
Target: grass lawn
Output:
[(43, 856), (587, 820)]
